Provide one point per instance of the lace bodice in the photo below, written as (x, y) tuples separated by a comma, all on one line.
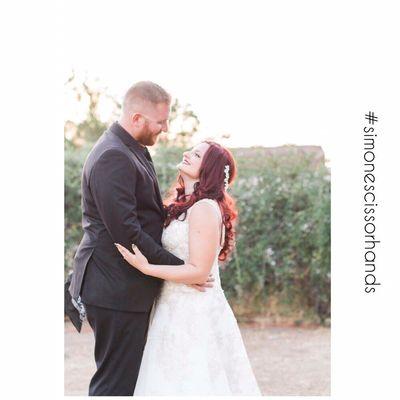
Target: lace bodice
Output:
[(175, 239)]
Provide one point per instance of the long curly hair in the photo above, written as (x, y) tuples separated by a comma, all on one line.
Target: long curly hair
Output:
[(211, 185)]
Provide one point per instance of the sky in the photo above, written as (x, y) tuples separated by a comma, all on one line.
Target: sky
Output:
[(267, 73)]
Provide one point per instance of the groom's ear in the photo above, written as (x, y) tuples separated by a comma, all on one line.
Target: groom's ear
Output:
[(135, 118)]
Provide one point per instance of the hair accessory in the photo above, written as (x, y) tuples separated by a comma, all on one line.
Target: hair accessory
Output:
[(226, 180)]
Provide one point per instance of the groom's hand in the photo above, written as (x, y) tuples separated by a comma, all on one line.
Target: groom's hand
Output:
[(202, 287)]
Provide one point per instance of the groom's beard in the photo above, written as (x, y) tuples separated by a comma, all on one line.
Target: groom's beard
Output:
[(149, 138)]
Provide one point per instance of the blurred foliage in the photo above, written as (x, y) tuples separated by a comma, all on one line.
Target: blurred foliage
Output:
[(283, 232), (183, 124), (89, 95), (74, 159)]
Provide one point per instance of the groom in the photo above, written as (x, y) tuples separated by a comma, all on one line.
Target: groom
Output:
[(121, 203)]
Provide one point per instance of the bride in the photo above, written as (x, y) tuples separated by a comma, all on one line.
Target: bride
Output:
[(194, 346)]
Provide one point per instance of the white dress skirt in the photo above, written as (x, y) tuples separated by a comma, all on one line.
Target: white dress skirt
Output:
[(194, 346)]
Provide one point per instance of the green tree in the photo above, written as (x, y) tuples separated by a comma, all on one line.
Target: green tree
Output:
[(89, 95)]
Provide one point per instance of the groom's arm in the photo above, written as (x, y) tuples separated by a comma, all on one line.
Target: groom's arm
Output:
[(112, 184)]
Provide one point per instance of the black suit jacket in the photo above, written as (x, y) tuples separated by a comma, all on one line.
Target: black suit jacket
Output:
[(121, 203)]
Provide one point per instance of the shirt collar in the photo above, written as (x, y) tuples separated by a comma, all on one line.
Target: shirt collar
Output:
[(126, 138)]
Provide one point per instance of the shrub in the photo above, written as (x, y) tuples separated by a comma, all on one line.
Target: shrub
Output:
[(283, 234), (73, 164)]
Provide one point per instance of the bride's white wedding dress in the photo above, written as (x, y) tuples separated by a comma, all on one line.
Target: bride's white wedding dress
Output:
[(194, 346)]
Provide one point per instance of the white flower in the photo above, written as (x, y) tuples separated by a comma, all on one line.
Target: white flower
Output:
[(226, 180)]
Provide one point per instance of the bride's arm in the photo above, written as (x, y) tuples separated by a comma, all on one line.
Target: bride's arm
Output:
[(203, 242)]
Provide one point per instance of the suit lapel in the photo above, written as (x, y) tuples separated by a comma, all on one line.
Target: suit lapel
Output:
[(139, 152), (154, 175)]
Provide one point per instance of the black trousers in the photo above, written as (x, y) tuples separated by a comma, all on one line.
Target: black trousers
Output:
[(119, 343)]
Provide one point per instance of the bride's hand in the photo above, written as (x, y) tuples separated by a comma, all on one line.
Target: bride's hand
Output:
[(136, 259)]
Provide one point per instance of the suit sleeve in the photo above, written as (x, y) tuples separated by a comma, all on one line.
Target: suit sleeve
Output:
[(113, 183)]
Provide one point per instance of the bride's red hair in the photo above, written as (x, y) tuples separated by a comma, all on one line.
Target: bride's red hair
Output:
[(210, 186)]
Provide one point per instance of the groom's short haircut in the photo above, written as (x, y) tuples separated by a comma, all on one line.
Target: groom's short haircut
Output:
[(144, 92)]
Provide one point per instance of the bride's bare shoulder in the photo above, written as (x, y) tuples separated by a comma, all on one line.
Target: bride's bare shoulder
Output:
[(204, 211)]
